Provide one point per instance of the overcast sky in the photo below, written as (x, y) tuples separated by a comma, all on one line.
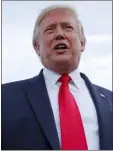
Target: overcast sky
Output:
[(19, 60)]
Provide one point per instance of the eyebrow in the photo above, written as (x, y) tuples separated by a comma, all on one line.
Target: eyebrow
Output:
[(51, 25), (54, 24)]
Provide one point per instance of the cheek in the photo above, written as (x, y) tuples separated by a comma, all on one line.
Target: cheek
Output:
[(48, 42), (76, 41), (45, 47), (43, 43), (48, 38), (75, 45)]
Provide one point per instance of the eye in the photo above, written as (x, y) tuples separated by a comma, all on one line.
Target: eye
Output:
[(69, 28), (48, 30)]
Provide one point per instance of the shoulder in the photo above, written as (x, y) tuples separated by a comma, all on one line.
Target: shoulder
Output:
[(105, 94), (104, 91), (22, 83), (13, 89), (17, 85), (15, 92)]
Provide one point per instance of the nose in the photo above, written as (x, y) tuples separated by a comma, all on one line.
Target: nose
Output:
[(59, 34)]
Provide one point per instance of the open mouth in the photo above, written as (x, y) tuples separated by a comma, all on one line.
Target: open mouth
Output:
[(61, 47)]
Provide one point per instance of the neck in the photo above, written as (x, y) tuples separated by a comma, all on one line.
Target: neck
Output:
[(63, 70)]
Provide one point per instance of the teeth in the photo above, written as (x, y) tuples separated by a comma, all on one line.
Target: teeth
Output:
[(60, 46)]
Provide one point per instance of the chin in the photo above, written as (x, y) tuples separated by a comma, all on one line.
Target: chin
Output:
[(62, 58)]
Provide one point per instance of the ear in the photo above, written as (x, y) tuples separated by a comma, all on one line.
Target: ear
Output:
[(83, 43), (36, 47)]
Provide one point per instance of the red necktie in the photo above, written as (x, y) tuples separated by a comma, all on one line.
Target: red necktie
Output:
[(72, 131)]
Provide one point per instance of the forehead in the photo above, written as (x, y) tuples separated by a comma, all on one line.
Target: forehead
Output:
[(58, 15)]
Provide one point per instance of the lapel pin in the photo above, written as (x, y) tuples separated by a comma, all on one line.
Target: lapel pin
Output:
[(102, 95)]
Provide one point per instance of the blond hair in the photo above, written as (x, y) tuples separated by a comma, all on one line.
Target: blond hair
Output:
[(49, 9)]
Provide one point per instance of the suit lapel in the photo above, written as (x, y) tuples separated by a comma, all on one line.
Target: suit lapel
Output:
[(38, 97), (104, 115)]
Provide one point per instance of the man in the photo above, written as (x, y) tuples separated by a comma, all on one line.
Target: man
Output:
[(60, 108)]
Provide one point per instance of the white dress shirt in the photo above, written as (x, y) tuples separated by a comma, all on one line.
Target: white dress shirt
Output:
[(83, 99)]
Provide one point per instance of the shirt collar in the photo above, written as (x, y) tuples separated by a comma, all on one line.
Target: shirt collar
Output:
[(52, 77), (76, 78)]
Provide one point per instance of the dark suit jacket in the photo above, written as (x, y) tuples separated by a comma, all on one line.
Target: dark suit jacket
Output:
[(27, 117)]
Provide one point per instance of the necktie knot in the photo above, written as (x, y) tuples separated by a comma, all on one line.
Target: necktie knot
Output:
[(64, 79)]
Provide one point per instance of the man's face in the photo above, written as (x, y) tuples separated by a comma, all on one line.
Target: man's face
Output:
[(58, 43)]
